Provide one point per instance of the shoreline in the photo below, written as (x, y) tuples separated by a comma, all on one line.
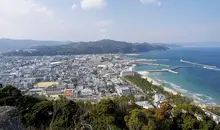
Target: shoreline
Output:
[(159, 84), (145, 75)]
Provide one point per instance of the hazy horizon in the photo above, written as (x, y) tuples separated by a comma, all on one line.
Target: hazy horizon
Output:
[(66, 41)]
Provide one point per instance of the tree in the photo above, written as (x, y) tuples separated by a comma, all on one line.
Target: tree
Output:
[(116, 114), (10, 96), (188, 108), (141, 119), (189, 122), (217, 127), (166, 124), (11, 91), (40, 115), (25, 104), (164, 111), (65, 114), (1, 86)]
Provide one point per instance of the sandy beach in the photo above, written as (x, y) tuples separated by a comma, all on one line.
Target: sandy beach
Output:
[(145, 74)]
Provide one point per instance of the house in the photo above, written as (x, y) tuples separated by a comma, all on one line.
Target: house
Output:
[(68, 92), (36, 91), (125, 89), (158, 99), (53, 91), (86, 92), (144, 104), (127, 73)]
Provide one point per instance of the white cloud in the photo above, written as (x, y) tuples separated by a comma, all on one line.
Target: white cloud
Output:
[(74, 6), (29, 19), (157, 2), (103, 30), (92, 4), (22, 7)]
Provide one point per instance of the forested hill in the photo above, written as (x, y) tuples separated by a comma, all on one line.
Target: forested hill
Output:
[(96, 47)]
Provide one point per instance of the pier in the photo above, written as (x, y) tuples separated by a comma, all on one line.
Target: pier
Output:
[(164, 70), (153, 64), (197, 64), (179, 67), (171, 70)]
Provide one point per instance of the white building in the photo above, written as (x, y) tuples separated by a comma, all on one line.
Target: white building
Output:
[(102, 66), (127, 73), (158, 99), (125, 90), (144, 104), (53, 91), (36, 91), (86, 92)]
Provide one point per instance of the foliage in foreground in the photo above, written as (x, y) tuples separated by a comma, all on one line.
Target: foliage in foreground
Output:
[(149, 89), (117, 114)]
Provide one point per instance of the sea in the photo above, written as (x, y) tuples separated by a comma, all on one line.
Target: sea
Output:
[(199, 83)]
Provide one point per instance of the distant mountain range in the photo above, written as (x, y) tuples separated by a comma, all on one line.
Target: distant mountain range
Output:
[(7, 45), (92, 47)]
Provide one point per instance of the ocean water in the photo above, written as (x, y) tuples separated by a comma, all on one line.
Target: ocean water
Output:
[(199, 83)]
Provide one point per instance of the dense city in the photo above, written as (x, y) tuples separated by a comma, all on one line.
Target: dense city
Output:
[(84, 77)]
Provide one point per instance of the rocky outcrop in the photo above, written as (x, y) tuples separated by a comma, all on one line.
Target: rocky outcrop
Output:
[(9, 118)]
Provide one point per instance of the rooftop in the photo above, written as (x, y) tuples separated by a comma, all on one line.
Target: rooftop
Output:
[(45, 84)]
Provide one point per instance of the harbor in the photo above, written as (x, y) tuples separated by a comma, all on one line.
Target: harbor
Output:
[(173, 70)]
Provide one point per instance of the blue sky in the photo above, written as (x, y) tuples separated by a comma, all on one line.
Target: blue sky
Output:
[(126, 20)]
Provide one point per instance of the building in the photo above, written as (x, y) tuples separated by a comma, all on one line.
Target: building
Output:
[(45, 84), (158, 99), (53, 91), (36, 91), (125, 90), (86, 92), (68, 92), (102, 66), (127, 73), (144, 104)]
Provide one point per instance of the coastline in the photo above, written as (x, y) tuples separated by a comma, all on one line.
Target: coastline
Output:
[(145, 75)]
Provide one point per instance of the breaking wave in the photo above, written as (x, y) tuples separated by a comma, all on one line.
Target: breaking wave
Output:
[(196, 96)]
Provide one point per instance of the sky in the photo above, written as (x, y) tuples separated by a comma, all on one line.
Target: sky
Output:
[(124, 20)]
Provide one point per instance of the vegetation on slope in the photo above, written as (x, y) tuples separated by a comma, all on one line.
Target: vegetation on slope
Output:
[(97, 47), (149, 89), (214, 109), (118, 114)]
